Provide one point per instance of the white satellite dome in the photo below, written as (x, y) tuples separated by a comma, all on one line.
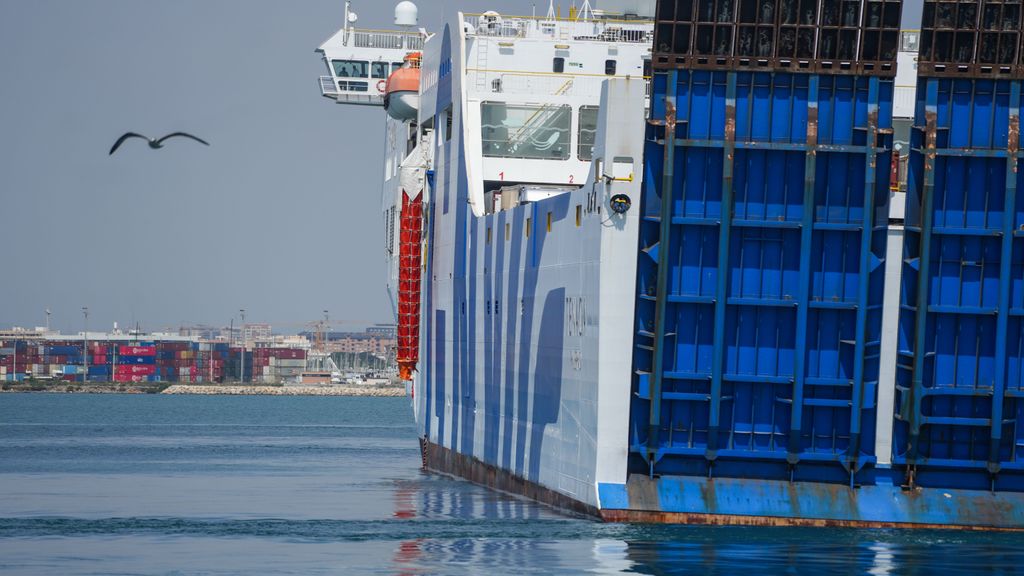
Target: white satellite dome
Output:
[(406, 14)]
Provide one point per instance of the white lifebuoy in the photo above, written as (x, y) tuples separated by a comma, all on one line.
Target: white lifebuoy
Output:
[(380, 85)]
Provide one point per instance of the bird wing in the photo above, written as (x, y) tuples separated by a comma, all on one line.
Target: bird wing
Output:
[(124, 137), (185, 134)]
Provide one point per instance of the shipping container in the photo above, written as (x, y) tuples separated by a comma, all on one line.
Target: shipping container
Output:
[(63, 350), (137, 350), (136, 360), (135, 369)]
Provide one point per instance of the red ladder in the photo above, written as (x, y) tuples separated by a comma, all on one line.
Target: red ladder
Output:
[(409, 265)]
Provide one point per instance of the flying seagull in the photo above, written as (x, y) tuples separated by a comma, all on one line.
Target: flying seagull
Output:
[(154, 143)]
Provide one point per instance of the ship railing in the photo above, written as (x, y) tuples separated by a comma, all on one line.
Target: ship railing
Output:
[(607, 30), (350, 91), (385, 39), (327, 87)]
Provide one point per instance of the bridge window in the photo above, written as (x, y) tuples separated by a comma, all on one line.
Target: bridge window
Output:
[(558, 65), (349, 68), (379, 69), (587, 132), (609, 67), (534, 132)]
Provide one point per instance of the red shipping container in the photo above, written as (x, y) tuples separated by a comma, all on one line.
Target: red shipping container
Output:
[(135, 369), (137, 350), (97, 359)]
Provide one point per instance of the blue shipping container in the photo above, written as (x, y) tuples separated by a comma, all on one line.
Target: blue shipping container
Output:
[(63, 350), (760, 285), (961, 371), (136, 359)]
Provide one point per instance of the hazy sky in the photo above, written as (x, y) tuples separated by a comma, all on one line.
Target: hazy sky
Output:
[(280, 215)]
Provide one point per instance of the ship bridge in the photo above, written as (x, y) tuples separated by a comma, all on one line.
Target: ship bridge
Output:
[(359, 61)]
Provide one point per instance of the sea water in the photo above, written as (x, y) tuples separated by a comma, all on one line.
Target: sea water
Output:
[(140, 484)]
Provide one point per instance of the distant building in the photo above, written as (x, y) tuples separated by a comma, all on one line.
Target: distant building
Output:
[(360, 342), (388, 331), (201, 331), (251, 332)]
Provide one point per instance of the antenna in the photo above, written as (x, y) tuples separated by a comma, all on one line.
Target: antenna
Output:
[(585, 13)]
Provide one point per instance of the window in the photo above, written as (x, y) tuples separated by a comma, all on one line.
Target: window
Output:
[(345, 69), (349, 68), (609, 67), (533, 132), (448, 124), (379, 70), (395, 66), (587, 132), (558, 65)]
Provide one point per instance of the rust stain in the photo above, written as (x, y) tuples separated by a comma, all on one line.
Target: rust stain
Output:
[(670, 113), (730, 122), (812, 130), (1013, 145), (930, 138), (652, 517)]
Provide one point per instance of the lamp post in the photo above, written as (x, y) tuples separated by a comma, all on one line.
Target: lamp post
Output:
[(85, 345), (242, 368)]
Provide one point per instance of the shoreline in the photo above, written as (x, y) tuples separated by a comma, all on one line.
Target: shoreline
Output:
[(237, 389)]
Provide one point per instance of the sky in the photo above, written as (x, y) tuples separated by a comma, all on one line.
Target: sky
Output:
[(280, 216)]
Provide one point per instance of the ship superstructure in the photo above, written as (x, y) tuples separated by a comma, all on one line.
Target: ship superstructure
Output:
[(650, 263)]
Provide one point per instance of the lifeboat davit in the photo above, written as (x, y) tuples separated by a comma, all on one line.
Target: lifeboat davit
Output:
[(402, 92)]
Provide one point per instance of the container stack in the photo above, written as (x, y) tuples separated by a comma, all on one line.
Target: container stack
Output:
[(136, 363), (147, 361), (960, 394), (763, 238), (273, 365), (20, 359), (211, 359)]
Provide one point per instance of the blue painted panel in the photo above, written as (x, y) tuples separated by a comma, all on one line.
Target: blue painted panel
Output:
[(760, 279), (961, 341)]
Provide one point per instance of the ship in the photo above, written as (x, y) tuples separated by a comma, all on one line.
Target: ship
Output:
[(744, 262)]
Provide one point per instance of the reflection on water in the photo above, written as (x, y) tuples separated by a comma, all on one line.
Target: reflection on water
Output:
[(279, 485)]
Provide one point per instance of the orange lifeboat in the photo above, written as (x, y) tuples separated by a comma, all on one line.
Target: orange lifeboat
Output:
[(402, 92)]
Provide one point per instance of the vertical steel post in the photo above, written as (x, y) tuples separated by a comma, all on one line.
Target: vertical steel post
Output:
[(85, 345), (721, 290), (664, 240), (931, 110), (1005, 275), (867, 233), (806, 240)]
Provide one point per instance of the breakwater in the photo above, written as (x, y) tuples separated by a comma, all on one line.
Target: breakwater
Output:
[(247, 390)]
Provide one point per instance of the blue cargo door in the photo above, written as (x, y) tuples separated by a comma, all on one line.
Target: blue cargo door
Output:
[(961, 337), (760, 277)]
